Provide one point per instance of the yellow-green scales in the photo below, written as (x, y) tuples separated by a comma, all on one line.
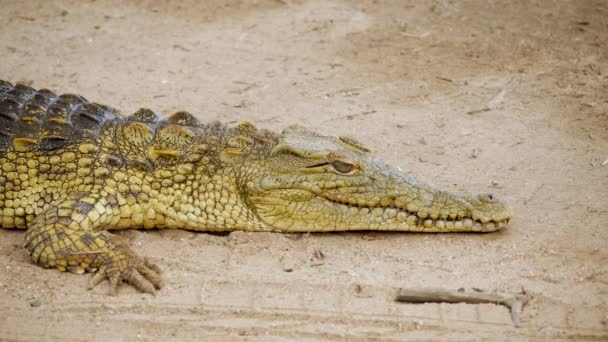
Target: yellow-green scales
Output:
[(72, 169)]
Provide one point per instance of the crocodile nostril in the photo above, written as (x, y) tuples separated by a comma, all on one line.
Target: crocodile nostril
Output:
[(487, 197)]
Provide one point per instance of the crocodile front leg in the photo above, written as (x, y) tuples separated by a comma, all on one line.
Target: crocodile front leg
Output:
[(69, 236)]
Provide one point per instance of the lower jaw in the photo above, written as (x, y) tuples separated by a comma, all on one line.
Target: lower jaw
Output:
[(390, 219), (388, 226), (404, 227)]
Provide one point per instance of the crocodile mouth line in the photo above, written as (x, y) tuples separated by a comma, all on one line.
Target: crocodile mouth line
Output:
[(416, 221), (423, 221)]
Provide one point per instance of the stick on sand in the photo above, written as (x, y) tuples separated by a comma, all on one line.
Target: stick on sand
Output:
[(515, 302)]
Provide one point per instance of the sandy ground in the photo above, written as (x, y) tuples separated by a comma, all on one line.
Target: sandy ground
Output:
[(509, 97)]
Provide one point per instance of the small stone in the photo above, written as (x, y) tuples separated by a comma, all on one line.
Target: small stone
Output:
[(475, 153), (35, 303)]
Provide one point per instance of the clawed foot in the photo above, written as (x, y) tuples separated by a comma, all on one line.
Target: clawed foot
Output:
[(121, 265), (70, 236)]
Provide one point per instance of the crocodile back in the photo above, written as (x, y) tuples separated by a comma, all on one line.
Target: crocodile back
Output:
[(39, 119)]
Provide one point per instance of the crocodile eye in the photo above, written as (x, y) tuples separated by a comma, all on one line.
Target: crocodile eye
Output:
[(342, 167)]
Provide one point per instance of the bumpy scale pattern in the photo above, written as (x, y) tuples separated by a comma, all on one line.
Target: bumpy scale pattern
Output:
[(72, 169)]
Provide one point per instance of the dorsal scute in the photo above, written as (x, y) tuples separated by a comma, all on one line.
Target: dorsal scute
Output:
[(183, 118), (45, 93), (32, 118), (72, 99), (10, 106), (19, 122), (174, 135), (57, 130), (143, 115), (138, 133), (171, 142), (9, 109), (89, 117), (246, 127), (5, 86), (40, 101), (20, 93), (27, 129)]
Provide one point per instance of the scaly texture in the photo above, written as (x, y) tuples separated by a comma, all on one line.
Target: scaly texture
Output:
[(71, 170)]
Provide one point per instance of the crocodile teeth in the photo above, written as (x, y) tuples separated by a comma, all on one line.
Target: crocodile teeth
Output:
[(388, 213), (412, 220), (401, 216), (468, 223)]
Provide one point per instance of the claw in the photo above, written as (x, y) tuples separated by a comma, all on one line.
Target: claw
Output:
[(153, 266), (136, 279), (97, 278), (142, 274), (151, 273), (114, 282), (75, 269)]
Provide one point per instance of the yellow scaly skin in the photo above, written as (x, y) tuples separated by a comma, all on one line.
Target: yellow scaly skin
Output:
[(71, 170)]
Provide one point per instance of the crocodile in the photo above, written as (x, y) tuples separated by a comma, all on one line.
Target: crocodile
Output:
[(71, 170)]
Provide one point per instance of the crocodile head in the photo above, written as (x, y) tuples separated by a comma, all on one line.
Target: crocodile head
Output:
[(321, 183)]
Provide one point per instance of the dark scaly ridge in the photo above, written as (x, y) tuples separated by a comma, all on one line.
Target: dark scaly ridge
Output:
[(41, 119)]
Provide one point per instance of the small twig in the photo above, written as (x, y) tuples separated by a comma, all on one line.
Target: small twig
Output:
[(351, 116), (515, 302), (476, 111)]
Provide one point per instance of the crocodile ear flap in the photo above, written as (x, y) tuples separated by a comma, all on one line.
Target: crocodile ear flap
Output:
[(303, 142)]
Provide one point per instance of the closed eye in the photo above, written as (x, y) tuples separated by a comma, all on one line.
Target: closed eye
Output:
[(339, 166), (342, 167)]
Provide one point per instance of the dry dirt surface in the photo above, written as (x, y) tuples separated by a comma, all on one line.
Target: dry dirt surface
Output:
[(508, 97)]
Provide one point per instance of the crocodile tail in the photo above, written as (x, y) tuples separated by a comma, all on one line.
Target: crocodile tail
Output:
[(40, 119)]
